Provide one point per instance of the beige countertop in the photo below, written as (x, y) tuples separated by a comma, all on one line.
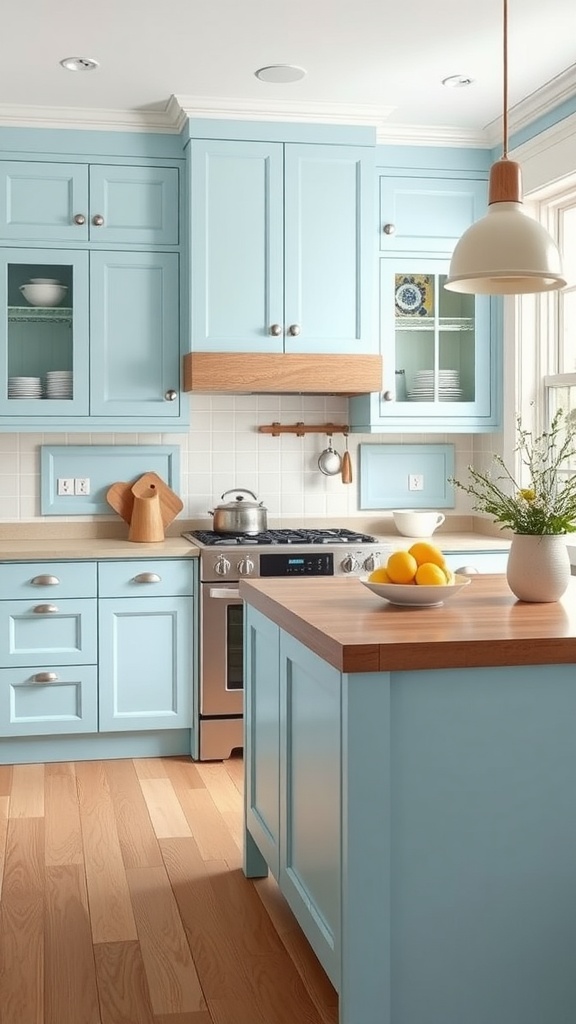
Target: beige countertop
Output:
[(93, 548)]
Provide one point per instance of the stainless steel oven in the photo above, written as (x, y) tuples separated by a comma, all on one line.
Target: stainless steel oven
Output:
[(224, 560)]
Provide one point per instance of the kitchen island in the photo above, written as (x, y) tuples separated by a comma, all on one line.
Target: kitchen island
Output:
[(411, 784)]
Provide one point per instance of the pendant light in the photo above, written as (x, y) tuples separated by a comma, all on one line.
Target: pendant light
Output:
[(507, 252)]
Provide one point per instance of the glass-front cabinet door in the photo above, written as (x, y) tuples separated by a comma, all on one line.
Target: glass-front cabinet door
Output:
[(44, 333)]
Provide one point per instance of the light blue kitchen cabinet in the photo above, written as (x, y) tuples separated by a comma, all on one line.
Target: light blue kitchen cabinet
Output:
[(44, 201), (145, 655), (281, 239), (293, 764), (442, 364), (48, 649), (107, 357)]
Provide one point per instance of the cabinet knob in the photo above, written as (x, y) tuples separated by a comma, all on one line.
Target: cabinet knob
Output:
[(147, 577), (45, 581), (46, 609), (98, 220), (45, 677), (294, 330), (389, 229), (79, 219), (275, 330), (171, 395), (387, 396)]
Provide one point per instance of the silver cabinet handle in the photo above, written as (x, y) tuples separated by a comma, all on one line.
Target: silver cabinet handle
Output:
[(294, 330), (98, 220), (387, 396), (45, 581), (147, 577), (389, 229), (275, 330), (171, 395), (46, 609), (45, 677), (79, 219)]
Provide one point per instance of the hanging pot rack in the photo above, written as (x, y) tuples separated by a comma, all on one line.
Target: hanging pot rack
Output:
[(302, 428)]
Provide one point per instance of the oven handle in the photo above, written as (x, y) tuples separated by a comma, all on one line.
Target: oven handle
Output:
[(226, 592)]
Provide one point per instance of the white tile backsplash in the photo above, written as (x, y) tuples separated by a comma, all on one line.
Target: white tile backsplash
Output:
[(224, 450)]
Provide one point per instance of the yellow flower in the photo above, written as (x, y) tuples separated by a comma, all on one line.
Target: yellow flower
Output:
[(528, 494)]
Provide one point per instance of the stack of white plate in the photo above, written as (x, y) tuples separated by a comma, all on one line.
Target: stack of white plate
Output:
[(24, 387), (59, 384), (449, 389)]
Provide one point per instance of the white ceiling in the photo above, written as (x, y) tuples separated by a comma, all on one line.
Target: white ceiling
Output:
[(366, 61)]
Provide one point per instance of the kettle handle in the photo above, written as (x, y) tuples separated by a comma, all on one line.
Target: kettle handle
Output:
[(238, 490)]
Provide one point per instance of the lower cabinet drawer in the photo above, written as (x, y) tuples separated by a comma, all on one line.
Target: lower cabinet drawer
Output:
[(57, 699), (147, 577), (40, 633)]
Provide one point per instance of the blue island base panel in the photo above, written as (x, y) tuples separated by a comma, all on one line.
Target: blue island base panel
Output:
[(50, 749)]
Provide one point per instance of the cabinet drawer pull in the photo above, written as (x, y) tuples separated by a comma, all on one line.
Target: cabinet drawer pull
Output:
[(275, 330), (45, 609), (147, 577), (389, 229), (45, 677), (98, 220), (294, 330), (45, 581), (171, 395), (80, 219)]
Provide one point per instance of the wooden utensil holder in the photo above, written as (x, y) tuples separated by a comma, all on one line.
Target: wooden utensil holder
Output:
[(146, 524)]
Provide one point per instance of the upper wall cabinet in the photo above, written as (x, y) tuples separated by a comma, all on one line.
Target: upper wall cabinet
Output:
[(282, 255), (59, 202), (441, 351)]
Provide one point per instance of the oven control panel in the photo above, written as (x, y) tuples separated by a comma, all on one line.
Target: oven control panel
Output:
[(309, 563), (315, 560)]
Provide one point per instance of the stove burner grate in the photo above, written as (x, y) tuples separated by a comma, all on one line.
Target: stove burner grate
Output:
[(307, 536)]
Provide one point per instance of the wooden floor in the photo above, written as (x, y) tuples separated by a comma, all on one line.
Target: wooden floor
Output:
[(123, 901)]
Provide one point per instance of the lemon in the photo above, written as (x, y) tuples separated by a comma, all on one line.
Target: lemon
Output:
[(424, 552), (401, 567), (430, 575), (379, 575)]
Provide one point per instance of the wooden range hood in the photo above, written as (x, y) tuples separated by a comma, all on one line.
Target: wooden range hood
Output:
[(254, 372)]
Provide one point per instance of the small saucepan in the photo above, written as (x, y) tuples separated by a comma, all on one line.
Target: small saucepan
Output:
[(240, 515)]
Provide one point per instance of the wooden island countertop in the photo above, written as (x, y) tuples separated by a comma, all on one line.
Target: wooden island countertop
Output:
[(355, 631)]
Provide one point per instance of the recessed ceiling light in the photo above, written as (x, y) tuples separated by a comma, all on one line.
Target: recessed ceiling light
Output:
[(457, 81), (79, 64), (280, 73)]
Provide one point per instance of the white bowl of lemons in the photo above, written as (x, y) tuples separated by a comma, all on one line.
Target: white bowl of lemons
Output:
[(416, 577)]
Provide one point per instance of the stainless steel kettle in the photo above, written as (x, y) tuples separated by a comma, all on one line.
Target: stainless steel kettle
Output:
[(240, 516)]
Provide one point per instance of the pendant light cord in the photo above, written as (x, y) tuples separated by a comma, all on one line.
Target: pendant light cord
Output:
[(505, 83)]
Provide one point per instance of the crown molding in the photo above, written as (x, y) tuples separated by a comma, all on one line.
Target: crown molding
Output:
[(278, 110), (85, 118), (538, 104), (430, 135)]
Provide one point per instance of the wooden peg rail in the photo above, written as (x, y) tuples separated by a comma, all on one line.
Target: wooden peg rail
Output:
[(301, 428)]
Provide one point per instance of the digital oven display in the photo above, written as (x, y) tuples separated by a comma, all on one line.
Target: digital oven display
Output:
[(309, 564)]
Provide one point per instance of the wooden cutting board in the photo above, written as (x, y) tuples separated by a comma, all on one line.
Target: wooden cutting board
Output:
[(170, 503), (120, 497)]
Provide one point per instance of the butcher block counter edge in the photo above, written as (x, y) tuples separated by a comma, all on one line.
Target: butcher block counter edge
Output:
[(355, 631), (93, 548)]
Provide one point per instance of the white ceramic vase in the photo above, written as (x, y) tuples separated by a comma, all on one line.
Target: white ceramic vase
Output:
[(538, 567)]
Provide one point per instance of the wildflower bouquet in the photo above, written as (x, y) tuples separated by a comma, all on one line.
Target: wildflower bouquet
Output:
[(548, 504)]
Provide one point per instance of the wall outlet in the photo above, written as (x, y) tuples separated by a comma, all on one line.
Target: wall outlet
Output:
[(415, 482), (82, 485), (65, 485)]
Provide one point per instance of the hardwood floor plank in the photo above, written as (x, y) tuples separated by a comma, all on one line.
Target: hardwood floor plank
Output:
[(111, 914), (224, 793), (172, 979), (164, 808), (183, 773), (63, 829), (122, 986), (5, 779), (149, 767), (138, 842), (22, 924), (209, 829), (27, 793), (4, 807), (235, 768), (201, 1017), (71, 995), (218, 959), (227, 1011)]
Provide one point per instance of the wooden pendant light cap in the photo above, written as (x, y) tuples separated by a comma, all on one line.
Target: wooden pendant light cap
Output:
[(505, 183)]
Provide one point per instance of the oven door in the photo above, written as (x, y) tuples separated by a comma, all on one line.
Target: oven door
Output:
[(221, 650)]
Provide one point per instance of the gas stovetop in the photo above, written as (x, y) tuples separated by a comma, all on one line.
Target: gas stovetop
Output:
[(209, 538)]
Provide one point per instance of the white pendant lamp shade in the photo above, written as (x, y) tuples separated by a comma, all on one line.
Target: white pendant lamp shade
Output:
[(507, 252)]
